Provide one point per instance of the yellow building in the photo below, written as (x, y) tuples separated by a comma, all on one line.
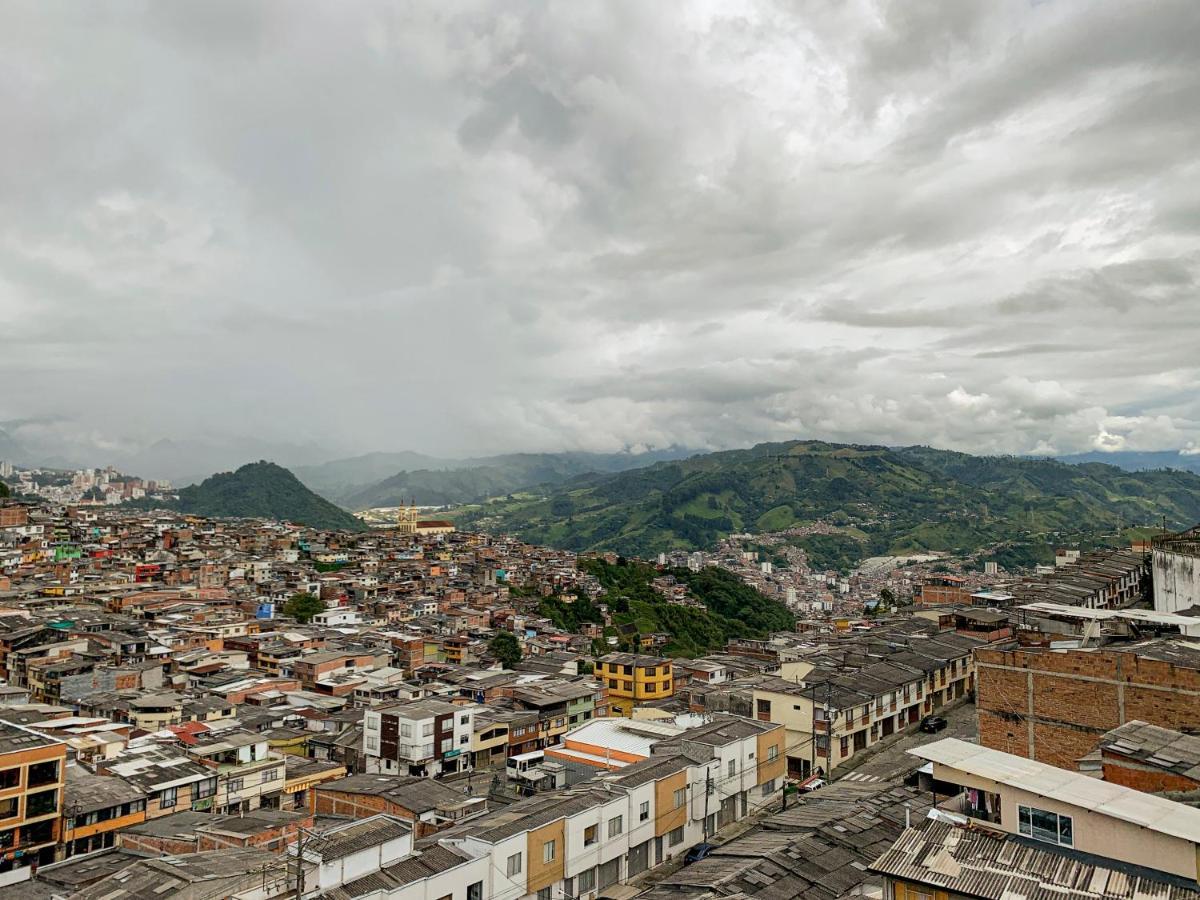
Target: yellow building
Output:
[(633, 679)]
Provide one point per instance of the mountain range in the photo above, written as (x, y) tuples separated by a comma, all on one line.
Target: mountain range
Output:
[(393, 479), (882, 500)]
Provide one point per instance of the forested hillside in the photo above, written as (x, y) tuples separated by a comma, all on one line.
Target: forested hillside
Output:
[(733, 608), (886, 500)]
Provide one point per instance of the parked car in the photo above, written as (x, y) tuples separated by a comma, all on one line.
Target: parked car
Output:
[(932, 724), (812, 785), (697, 853)]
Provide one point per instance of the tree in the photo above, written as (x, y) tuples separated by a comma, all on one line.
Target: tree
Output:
[(302, 607), (504, 647), (3, 489), (888, 597)]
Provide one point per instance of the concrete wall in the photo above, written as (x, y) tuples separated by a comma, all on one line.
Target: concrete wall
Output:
[(1176, 580)]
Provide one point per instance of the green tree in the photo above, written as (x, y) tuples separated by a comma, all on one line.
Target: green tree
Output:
[(888, 597), (3, 489), (302, 607), (504, 647)]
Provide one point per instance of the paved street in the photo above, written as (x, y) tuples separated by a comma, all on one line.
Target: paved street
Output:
[(893, 760)]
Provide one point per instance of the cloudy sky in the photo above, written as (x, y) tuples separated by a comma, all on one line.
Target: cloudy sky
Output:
[(480, 227)]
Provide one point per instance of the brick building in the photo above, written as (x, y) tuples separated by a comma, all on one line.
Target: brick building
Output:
[(1152, 759), (1056, 705)]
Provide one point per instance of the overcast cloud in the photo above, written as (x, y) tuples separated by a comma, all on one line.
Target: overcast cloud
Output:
[(481, 227)]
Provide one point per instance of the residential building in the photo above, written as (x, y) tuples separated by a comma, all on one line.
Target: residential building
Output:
[(633, 679), (424, 737), (32, 774), (1058, 808), (1055, 705)]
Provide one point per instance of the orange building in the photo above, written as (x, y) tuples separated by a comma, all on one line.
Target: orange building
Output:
[(32, 771)]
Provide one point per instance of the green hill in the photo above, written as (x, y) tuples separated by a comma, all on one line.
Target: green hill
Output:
[(263, 489), (886, 500), (734, 609), (393, 479)]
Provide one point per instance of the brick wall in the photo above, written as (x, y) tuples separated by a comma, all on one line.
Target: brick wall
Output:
[(1076, 696), (1140, 777)]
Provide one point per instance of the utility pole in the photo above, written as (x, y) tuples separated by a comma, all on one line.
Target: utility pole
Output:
[(828, 730), (300, 844), (707, 791)]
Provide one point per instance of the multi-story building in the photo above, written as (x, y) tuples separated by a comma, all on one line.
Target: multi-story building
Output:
[(168, 779), (579, 841), (250, 775), (32, 773), (425, 737), (95, 809), (633, 679), (1056, 705)]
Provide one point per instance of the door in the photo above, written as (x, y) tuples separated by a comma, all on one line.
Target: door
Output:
[(639, 858)]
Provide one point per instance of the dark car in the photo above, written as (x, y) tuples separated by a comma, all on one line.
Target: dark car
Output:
[(932, 724), (697, 853)]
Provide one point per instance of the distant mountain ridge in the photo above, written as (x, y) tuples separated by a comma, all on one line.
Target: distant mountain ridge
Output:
[(1137, 460), (264, 489), (431, 481), (885, 500)]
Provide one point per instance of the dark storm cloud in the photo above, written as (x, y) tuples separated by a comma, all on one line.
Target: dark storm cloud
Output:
[(470, 227)]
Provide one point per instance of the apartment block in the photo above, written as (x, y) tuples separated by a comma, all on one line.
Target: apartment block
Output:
[(426, 737), (633, 679), (32, 774)]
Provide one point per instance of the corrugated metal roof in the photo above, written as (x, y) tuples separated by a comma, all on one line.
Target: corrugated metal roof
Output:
[(1002, 867)]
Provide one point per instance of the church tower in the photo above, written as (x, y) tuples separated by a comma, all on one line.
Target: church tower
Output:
[(406, 519)]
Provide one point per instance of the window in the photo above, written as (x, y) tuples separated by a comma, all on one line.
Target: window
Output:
[(627, 685), (549, 849), (773, 752), (270, 775), (587, 881), (680, 797), (427, 730), (464, 720), (475, 891), (644, 811), (675, 838), (205, 788), (8, 807), (465, 739), (768, 788), (234, 784), (514, 865), (406, 731), (168, 798), (544, 894), (372, 744), (43, 773), (9, 778), (589, 835), (1046, 826), (615, 826), (732, 767), (845, 746)]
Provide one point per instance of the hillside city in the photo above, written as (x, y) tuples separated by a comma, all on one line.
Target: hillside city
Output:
[(201, 706)]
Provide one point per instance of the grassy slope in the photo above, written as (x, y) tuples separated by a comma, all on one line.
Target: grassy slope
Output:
[(900, 500)]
